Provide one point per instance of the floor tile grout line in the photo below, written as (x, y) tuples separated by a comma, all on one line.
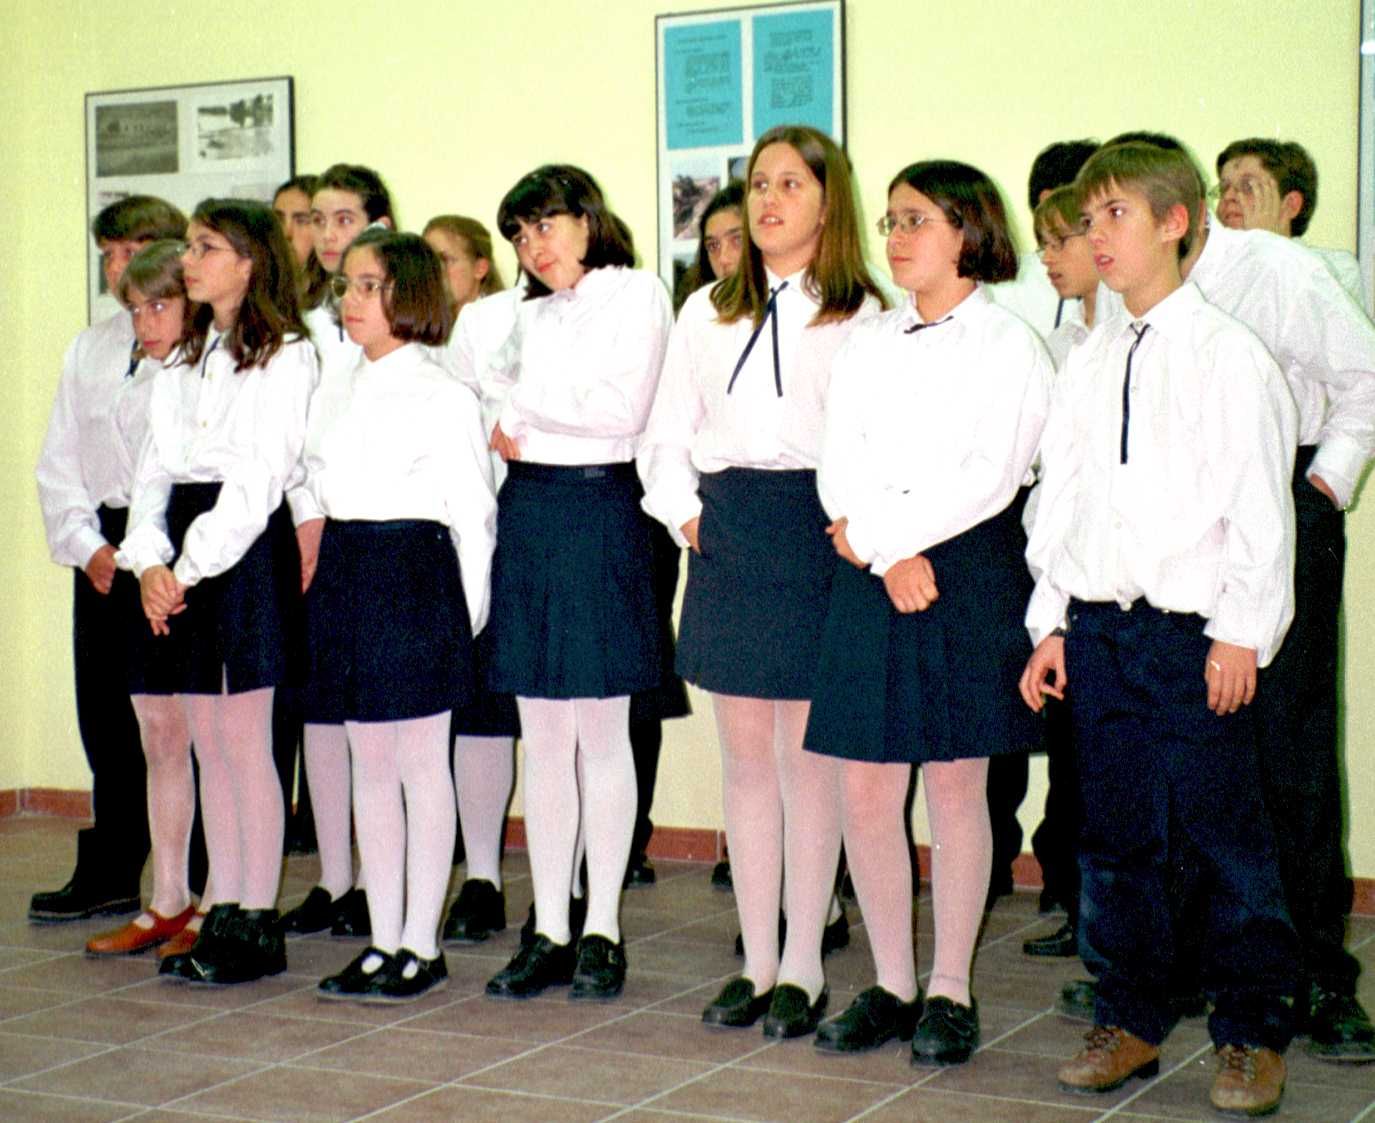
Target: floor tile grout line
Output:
[(712, 1071), (1155, 1081)]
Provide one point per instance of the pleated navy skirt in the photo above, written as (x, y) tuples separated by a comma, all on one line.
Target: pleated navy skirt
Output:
[(486, 713), (938, 685), (242, 629), (387, 624), (573, 613), (757, 593)]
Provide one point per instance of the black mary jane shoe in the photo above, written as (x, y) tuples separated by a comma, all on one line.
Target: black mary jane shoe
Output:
[(351, 918), (600, 973), (406, 978), (577, 917), (1060, 944), (792, 1014), (737, 1006), (354, 979), (874, 1018), (314, 914), (479, 911), (947, 1033), (534, 968)]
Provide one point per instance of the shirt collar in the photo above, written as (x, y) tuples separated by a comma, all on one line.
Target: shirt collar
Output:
[(971, 306), (1172, 314)]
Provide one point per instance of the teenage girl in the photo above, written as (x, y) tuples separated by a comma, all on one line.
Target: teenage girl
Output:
[(154, 292), (720, 235), (348, 198), (291, 205), (932, 421), (484, 731), (211, 543), (397, 466), (575, 629), (729, 465)]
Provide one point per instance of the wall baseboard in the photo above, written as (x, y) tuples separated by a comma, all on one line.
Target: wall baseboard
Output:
[(683, 844)]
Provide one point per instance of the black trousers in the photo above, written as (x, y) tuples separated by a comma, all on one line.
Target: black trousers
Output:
[(1159, 772), (1296, 726), (1055, 842), (118, 842)]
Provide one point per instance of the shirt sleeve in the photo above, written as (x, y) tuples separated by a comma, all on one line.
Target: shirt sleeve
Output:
[(841, 470), (70, 520), (665, 457), (145, 541), (603, 385), (254, 488), (470, 503)]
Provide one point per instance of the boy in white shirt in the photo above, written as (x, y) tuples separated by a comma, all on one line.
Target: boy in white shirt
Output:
[(1164, 541)]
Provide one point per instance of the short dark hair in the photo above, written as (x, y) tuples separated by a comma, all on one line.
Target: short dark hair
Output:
[(554, 189), (138, 218), (1058, 214), (270, 310), (1056, 165), (973, 205), (361, 181), (304, 183), (1167, 177), (414, 300), (1290, 164), (1145, 136)]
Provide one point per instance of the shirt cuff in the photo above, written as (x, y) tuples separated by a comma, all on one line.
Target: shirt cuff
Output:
[(84, 544), (1339, 461)]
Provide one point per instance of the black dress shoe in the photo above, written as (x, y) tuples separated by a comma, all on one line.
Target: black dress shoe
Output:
[(1339, 1029), (639, 873), (600, 973), (947, 1033), (80, 899), (354, 979), (534, 968), (479, 911), (1048, 903), (791, 1014), (213, 933), (314, 914), (247, 945), (1060, 944), (875, 1017), (351, 915), (737, 1006), (406, 978), (721, 877), (577, 917), (1076, 1000)]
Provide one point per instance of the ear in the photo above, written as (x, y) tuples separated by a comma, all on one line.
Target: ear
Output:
[(386, 221), (481, 267), (1175, 224), (1291, 204)]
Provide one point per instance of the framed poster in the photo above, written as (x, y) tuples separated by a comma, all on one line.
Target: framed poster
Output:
[(724, 78), (1365, 168), (184, 144)]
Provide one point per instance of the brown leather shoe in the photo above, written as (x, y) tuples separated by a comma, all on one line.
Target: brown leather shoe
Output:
[(184, 940), (1111, 1056), (132, 939), (1249, 1081)]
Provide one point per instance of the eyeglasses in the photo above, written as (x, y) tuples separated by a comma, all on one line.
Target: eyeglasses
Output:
[(366, 287), (1055, 245), (1246, 186), (909, 222), (201, 247)]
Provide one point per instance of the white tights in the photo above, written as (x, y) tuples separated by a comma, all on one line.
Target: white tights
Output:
[(326, 751), (171, 796), (484, 774)]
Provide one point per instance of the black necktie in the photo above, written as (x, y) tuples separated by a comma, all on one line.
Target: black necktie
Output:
[(1127, 384), (206, 357), (133, 360), (922, 327), (770, 317)]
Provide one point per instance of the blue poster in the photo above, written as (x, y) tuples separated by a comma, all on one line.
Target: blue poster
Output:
[(703, 86), (794, 67)]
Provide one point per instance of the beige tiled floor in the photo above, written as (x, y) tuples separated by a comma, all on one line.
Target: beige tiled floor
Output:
[(93, 1040)]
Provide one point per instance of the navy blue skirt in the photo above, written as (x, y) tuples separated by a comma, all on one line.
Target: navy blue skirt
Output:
[(573, 613), (486, 713), (757, 594), (387, 624), (895, 688), (242, 629)]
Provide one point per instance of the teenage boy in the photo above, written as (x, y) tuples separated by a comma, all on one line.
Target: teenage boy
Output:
[(1164, 541), (1273, 185), (84, 495)]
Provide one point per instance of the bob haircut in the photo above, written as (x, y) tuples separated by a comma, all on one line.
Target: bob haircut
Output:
[(1167, 177), (373, 197), (554, 189), (155, 273), (139, 218), (414, 299), (1291, 166), (1058, 214), (477, 240), (1056, 165), (837, 277), (971, 203), (270, 310)]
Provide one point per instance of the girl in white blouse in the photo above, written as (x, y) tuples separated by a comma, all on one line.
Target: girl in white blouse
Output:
[(575, 630), (729, 465), (211, 543), (398, 474), (933, 418)]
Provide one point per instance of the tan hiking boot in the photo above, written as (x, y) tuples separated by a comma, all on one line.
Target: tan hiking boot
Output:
[(1111, 1056), (1249, 1081)]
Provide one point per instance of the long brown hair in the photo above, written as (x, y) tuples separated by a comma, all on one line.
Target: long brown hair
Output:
[(270, 310), (477, 240), (837, 276)]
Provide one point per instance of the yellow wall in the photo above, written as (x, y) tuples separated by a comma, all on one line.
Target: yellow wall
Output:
[(452, 101)]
